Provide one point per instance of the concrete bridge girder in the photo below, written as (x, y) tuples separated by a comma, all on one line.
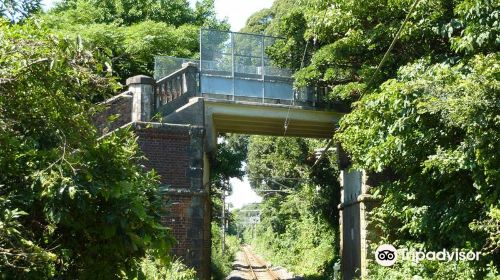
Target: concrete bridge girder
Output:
[(223, 116)]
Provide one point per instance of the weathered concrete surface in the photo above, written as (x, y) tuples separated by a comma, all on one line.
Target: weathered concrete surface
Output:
[(119, 108), (192, 112), (223, 116), (142, 88), (357, 231)]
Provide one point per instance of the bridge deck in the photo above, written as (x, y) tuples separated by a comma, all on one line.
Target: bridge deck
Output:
[(270, 119)]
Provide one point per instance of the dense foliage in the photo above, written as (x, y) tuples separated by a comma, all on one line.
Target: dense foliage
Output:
[(176, 270), (72, 205), (428, 118), (97, 189), (17, 10), (133, 32), (438, 135), (298, 225), (222, 261), (228, 163)]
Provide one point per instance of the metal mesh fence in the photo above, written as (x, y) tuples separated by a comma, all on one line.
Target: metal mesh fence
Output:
[(166, 65), (237, 64)]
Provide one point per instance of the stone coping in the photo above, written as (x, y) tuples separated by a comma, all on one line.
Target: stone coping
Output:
[(165, 189)]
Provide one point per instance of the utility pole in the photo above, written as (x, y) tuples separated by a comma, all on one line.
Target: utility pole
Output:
[(223, 217)]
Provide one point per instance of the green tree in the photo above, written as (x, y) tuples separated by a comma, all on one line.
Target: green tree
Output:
[(132, 33), (126, 12), (231, 153), (228, 163), (16, 10), (428, 118), (302, 218), (435, 127), (72, 205), (272, 158)]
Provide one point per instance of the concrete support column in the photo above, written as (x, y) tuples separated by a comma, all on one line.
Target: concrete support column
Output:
[(357, 232), (368, 234), (350, 246), (142, 88)]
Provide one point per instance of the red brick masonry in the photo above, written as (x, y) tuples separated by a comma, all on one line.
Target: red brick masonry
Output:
[(176, 153)]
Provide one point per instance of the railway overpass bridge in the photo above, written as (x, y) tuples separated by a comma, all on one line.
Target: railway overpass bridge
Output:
[(233, 88)]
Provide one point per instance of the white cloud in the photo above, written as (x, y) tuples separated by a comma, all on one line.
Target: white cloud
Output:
[(238, 11), (242, 193), (47, 4)]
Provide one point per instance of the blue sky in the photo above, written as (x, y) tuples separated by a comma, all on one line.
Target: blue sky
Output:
[(237, 11)]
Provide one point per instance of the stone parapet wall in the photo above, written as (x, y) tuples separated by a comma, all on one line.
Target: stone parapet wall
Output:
[(119, 107)]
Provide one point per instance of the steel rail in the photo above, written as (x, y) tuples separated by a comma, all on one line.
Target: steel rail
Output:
[(254, 276), (268, 270), (260, 263)]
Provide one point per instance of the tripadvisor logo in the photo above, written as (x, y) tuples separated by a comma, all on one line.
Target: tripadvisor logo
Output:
[(387, 255)]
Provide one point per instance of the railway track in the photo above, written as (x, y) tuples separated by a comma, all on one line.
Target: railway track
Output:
[(257, 267)]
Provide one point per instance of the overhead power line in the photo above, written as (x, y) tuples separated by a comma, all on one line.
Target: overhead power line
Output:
[(282, 178), (287, 119), (330, 142), (396, 37)]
